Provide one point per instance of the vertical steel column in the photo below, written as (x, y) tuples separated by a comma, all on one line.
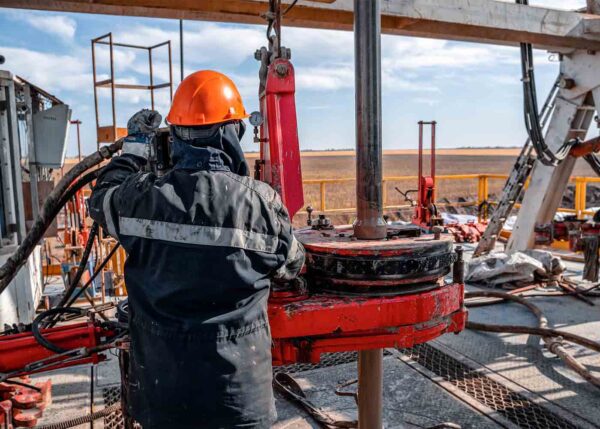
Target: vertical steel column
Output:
[(420, 171), (181, 72), (432, 160), (31, 144), (151, 70), (112, 88), (369, 222)]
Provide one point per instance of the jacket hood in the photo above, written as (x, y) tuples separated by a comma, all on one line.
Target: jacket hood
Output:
[(210, 148)]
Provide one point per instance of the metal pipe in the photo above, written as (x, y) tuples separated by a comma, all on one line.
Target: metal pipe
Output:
[(370, 389), (77, 123), (151, 70), (181, 74), (433, 144), (369, 222), (112, 87), (420, 184), (95, 91), (170, 71)]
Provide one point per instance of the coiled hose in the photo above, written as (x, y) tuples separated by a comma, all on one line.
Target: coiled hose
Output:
[(53, 204)]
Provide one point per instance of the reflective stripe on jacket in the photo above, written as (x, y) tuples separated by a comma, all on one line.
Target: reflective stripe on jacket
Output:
[(202, 244)]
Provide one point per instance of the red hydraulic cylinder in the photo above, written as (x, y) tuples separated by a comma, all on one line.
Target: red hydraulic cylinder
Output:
[(19, 350), (280, 149)]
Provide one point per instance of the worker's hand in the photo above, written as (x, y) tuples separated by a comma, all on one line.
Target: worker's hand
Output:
[(141, 130), (144, 122)]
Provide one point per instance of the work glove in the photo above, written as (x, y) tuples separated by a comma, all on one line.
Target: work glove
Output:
[(141, 129), (144, 122)]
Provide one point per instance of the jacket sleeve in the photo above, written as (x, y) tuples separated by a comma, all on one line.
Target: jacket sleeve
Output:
[(290, 247), (104, 201)]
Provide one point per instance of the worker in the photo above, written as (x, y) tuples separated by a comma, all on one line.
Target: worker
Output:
[(203, 242)]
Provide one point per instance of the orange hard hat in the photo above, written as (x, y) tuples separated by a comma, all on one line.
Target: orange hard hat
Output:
[(206, 97)]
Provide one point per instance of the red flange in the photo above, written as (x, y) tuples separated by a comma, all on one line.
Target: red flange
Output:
[(367, 294)]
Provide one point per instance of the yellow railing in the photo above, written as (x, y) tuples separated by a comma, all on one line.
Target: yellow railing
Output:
[(482, 180)]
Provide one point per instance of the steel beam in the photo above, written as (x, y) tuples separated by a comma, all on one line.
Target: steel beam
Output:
[(487, 21)]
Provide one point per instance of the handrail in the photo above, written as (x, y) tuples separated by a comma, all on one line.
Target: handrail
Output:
[(579, 199)]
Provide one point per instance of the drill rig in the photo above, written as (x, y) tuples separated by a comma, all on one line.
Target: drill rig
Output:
[(364, 288), (367, 286)]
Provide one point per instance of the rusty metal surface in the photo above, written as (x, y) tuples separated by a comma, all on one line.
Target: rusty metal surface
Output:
[(341, 241), (338, 262)]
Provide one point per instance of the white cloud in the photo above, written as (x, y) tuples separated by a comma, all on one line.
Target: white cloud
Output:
[(53, 72), (57, 25), (204, 43)]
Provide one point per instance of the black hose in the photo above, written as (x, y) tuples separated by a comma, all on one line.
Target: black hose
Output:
[(20, 383), (96, 272), (594, 162), (123, 311), (35, 326), (82, 264), (533, 124), (49, 210)]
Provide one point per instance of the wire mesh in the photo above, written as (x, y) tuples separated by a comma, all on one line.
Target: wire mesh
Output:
[(513, 406)]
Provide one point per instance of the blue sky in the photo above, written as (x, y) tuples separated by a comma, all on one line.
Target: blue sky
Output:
[(472, 90)]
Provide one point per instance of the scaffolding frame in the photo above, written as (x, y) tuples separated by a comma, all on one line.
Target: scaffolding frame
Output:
[(111, 133)]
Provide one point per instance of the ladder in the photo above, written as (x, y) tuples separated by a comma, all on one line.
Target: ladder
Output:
[(515, 183)]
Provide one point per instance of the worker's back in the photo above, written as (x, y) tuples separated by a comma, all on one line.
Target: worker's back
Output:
[(202, 244)]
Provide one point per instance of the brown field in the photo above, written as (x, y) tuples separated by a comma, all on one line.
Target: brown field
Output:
[(340, 165), (320, 165)]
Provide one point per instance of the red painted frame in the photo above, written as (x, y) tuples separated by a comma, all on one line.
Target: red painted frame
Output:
[(304, 327)]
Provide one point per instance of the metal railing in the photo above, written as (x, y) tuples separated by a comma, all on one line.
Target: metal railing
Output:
[(483, 192)]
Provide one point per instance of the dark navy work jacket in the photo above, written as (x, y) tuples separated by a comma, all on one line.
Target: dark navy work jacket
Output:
[(202, 245)]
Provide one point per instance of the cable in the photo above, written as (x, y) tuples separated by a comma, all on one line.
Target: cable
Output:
[(50, 209), (290, 7), (20, 383), (82, 264), (35, 326), (98, 270), (594, 162), (531, 110)]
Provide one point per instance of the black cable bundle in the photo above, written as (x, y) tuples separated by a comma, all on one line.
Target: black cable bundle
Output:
[(594, 162), (531, 111), (62, 193)]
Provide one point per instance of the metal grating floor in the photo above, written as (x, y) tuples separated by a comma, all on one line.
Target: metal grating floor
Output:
[(111, 396), (513, 406), (327, 360)]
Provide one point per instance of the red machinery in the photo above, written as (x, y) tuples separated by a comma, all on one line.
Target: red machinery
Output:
[(367, 294), (387, 289), (22, 354), (426, 214), (382, 290)]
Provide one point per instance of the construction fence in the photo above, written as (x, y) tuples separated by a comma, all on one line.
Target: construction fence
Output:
[(460, 190)]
